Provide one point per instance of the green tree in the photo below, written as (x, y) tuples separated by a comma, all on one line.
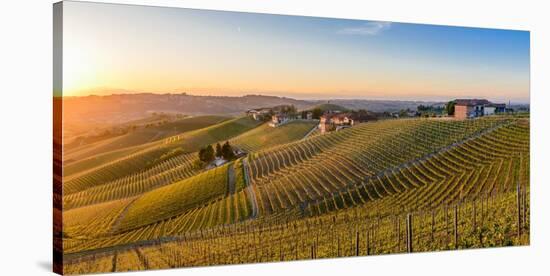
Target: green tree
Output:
[(219, 152), (227, 151), (316, 113), (206, 154), (209, 154), (202, 154), (450, 108)]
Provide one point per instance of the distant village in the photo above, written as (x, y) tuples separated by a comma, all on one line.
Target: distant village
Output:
[(334, 118)]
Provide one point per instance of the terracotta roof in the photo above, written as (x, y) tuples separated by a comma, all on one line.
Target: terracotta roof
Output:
[(472, 102), (336, 115)]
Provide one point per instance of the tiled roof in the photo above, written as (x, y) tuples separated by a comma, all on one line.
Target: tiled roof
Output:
[(471, 102)]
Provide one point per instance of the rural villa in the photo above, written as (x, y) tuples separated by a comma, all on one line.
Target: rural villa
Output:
[(335, 121), (259, 113), (472, 108), (279, 119)]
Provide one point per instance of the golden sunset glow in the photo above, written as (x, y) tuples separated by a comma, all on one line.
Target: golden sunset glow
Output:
[(146, 49)]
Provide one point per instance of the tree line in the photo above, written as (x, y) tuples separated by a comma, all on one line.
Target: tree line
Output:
[(209, 153)]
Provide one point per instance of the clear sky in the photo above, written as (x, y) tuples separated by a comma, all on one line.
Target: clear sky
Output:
[(173, 50)]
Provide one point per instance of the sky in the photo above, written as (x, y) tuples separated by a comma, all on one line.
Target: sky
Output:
[(110, 47)]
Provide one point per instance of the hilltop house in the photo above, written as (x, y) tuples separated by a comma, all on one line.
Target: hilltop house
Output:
[(335, 121), (259, 113), (471, 108), (279, 119), (493, 108)]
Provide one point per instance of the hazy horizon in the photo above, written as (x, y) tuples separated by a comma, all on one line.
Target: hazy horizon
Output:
[(200, 52), (304, 97)]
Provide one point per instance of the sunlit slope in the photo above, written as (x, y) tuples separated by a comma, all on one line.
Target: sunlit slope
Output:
[(314, 168), (94, 220), (265, 136), (152, 156), (493, 163), (466, 160), (182, 166), (227, 210), (174, 199), (167, 172), (206, 200), (142, 136)]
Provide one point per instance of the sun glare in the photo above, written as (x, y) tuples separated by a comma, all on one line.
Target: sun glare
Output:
[(79, 71)]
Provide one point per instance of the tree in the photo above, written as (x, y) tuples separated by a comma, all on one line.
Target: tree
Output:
[(202, 152), (316, 113), (219, 152), (206, 154), (209, 154), (450, 108), (227, 151)]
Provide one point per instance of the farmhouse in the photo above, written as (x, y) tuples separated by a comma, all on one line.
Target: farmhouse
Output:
[(335, 121), (493, 108), (471, 108), (259, 113), (278, 119)]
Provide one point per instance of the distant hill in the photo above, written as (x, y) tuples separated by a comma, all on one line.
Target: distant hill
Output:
[(329, 107), (118, 108), (378, 105)]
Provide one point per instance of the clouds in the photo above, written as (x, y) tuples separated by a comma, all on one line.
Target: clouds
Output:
[(368, 28)]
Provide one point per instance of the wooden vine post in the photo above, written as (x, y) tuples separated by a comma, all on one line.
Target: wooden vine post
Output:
[(409, 234), (338, 249), (518, 196), (456, 226), (368, 242), (524, 214), (433, 226), (474, 216), (356, 243)]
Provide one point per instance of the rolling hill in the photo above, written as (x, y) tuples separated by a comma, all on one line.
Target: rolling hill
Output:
[(277, 202), (91, 172), (144, 135), (265, 136)]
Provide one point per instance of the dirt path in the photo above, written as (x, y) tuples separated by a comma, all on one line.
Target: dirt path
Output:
[(121, 216), (310, 132), (250, 190), (142, 258), (230, 179)]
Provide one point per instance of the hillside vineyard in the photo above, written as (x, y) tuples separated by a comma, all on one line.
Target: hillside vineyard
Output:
[(387, 186)]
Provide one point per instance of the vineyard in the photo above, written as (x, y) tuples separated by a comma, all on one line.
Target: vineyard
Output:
[(492, 221), (144, 135), (83, 177), (390, 186), (266, 136)]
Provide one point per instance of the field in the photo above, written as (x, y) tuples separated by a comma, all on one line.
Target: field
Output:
[(266, 136), (109, 149), (380, 187)]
